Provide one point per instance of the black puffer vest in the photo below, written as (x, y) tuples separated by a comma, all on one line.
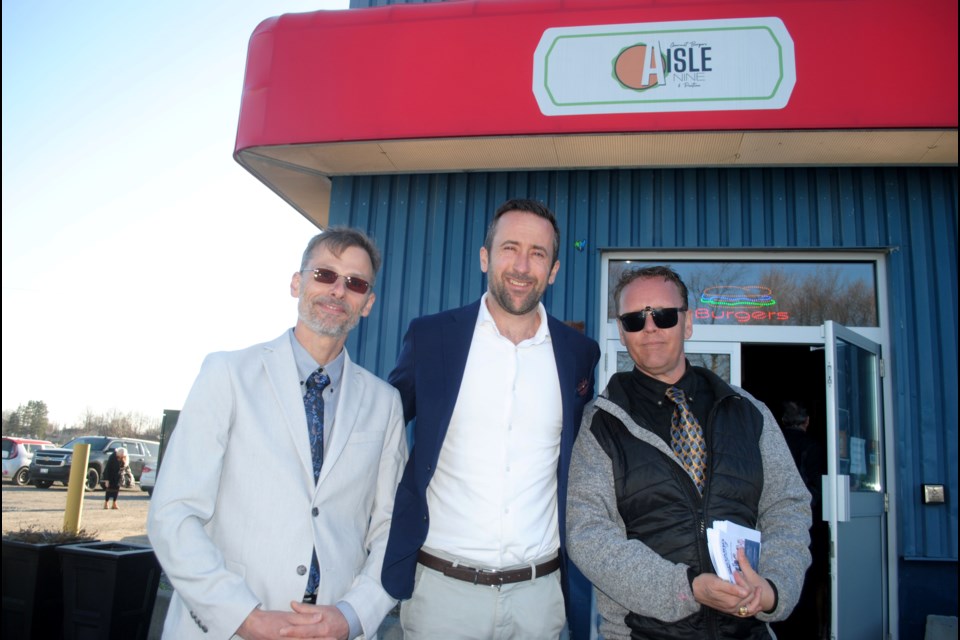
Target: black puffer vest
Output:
[(661, 506)]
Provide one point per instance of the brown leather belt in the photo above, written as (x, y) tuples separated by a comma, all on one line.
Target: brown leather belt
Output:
[(487, 577)]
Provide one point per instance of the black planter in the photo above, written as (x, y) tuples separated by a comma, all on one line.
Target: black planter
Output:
[(108, 590), (32, 591)]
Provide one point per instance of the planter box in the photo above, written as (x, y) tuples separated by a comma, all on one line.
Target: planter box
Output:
[(109, 590), (32, 591)]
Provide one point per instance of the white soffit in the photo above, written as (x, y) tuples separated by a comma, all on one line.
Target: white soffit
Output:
[(300, 173)]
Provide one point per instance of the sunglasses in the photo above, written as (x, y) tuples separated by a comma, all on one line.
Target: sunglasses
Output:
[(353, 283), (664, 318)]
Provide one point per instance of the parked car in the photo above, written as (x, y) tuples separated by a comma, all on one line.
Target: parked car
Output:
[(149, 477), (17, 454), (53, 465)]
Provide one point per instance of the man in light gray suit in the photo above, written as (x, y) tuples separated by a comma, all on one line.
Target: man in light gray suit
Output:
[(262, 533)]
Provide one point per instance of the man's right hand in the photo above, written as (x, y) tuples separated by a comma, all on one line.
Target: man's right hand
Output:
[(266, 625), (716, 593)]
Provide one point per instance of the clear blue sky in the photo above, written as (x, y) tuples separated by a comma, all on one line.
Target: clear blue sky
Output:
[(133, 243)]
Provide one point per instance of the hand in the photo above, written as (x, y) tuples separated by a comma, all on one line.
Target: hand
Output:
[(716, 593), (316, 621), (270, 625), (764, 598)]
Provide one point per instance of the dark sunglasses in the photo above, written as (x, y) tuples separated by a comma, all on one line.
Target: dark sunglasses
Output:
[(326, 276), (664, 318)]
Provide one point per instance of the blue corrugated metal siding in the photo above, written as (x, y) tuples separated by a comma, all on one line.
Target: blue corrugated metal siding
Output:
[(431, 227)]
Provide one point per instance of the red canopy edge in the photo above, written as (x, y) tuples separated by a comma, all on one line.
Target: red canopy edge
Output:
[(456, 69), (449, 87)]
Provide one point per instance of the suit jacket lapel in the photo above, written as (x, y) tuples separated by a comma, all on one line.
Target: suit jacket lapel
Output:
[(566, 371), (455, 338), (284, 381), (348, 410)]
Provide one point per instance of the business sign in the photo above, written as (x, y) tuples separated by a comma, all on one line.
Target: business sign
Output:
[(659, 67)]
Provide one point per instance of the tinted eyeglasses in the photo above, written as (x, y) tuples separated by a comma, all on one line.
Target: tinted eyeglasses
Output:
[(664, 318), (326, 276)]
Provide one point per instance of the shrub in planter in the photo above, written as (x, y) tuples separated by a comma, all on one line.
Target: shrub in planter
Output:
[(32, 582)]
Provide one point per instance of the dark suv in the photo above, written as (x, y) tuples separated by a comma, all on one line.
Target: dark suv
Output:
[(53, 465)]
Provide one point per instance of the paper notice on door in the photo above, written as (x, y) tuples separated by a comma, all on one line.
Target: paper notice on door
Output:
[(858, 456)]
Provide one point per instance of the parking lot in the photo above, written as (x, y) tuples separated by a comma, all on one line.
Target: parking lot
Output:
[(44, 508)]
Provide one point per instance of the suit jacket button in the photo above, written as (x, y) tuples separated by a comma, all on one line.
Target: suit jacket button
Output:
[(301, 570), (315, 511)]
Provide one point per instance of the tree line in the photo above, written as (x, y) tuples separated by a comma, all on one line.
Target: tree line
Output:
[(31, 420)]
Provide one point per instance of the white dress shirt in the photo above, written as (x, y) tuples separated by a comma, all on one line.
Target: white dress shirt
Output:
[(493, 496)]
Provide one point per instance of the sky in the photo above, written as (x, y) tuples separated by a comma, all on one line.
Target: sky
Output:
[(133, 243)]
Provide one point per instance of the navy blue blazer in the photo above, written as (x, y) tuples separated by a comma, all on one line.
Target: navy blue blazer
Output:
[(428, 375)]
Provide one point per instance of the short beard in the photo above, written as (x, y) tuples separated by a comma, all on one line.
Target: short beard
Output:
[(325, 326), (526, 305)]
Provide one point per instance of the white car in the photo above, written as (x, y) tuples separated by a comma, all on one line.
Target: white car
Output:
[(148, 477), (17, 454)]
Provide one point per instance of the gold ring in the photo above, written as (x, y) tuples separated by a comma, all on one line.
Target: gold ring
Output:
[(743, 611)]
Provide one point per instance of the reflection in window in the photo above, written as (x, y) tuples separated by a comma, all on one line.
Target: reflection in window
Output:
[(771, 293), (858, 427), (719, 363), (624, 361)]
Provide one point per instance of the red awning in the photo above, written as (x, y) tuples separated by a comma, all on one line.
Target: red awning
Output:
[(453, 86)]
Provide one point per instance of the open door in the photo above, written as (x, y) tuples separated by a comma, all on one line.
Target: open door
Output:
[(854, 495)]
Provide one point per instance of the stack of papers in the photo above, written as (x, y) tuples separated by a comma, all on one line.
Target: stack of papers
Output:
[(723, 540)]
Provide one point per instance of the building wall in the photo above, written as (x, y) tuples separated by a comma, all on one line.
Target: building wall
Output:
[(431, 226)]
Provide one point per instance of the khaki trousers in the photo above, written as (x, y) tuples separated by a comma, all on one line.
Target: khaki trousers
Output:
[(443, 607)]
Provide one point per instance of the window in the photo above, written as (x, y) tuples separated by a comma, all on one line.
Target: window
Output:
[(753, 292)]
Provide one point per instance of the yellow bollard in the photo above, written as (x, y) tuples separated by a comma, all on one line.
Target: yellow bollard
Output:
[(76, 488)]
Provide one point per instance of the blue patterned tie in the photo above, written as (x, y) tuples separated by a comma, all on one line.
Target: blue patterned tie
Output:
[(686, 438), (313, 403)]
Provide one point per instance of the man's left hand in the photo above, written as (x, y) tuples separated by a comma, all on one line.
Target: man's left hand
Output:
[(318, 622), (763, 597)]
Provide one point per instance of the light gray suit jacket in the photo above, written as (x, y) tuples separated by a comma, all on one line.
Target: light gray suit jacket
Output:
[(236, 514)]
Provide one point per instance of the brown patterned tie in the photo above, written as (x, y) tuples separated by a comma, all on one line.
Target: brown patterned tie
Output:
[(686, 438)]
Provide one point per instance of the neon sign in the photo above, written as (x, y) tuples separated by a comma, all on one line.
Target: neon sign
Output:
[(748, 296), (723, 298)]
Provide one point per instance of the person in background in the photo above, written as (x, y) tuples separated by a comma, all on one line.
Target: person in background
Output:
[(497, 389), (809, 618), (272, 513), (112, 473), (666, 451)]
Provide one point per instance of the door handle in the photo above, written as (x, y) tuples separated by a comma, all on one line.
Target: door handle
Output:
[(843, 498)]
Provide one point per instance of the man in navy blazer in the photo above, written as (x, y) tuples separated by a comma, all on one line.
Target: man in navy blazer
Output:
[(497, 389)]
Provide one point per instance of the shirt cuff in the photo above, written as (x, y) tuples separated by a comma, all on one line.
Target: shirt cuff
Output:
[(353, 620)]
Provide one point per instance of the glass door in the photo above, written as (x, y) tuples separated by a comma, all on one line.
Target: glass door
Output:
[(854, 495)]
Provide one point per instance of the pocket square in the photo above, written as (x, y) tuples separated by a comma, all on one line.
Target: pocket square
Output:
[(583, 387)]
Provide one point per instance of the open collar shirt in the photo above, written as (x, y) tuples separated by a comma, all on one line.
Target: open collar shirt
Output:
[(493, 496)]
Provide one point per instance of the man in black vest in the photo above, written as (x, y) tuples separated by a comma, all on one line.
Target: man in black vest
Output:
[(665, 452)]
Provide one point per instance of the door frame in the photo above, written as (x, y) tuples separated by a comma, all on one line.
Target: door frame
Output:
[(609, 339)]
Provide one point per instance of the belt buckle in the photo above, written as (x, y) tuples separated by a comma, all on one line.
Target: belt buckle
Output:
[(477, 572)]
